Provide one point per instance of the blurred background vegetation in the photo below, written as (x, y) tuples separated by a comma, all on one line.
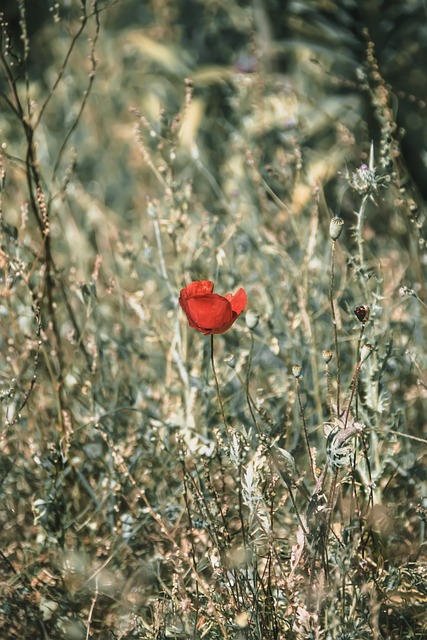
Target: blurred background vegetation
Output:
[(146, 144)]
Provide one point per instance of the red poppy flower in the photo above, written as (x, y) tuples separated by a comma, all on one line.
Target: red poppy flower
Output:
[(208, 312)]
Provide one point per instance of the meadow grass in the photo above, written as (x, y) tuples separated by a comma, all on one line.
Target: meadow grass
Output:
[(154, 483)]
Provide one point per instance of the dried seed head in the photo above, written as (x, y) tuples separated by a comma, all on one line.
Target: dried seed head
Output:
[(327, 355), (335, 227), (252, 319), (296, 370)]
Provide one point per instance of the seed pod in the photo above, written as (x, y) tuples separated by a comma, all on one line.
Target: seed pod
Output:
[(296, 370), (252, 319), (335, 227), (327, 355)]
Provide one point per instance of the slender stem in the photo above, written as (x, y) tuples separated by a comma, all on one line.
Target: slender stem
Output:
[(359, 342), (304, 424), (221, 404), (185, 476), (248, 374), (332, 500), (334, 321), (356, 506), (328, 389), (83, 22), (359, 226), (86, 93), (353, 389)]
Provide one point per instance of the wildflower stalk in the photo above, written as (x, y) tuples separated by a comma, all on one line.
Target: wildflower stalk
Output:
[(359, 342), (248, 373), (359, 238), (334, 322), (327, 355), (364, 354), (190, 529), (218, 393), (248, 369), (364, 181), (328, 390), (332, 500), (304, 425)]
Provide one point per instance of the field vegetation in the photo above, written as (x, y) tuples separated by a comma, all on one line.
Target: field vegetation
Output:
[(266, 483)]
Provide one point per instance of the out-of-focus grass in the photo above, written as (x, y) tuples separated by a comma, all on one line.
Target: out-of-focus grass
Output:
[(215, 141)]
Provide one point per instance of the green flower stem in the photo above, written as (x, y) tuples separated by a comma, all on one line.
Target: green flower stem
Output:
[(221, 404)]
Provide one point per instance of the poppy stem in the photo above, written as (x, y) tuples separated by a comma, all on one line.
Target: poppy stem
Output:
[(221, 404)]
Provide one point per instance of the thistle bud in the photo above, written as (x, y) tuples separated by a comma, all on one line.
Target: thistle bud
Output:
[(252, 319), (327, 355), (296, 370), (335, 227)]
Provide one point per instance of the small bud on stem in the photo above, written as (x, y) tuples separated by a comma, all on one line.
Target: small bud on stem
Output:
[(335, 227)]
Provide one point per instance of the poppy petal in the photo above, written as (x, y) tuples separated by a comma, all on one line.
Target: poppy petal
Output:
[(238, 301), (209, 312), (199, 288), (225, 327)]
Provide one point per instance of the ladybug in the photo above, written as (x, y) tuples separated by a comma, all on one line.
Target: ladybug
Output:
[(362, 313)]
